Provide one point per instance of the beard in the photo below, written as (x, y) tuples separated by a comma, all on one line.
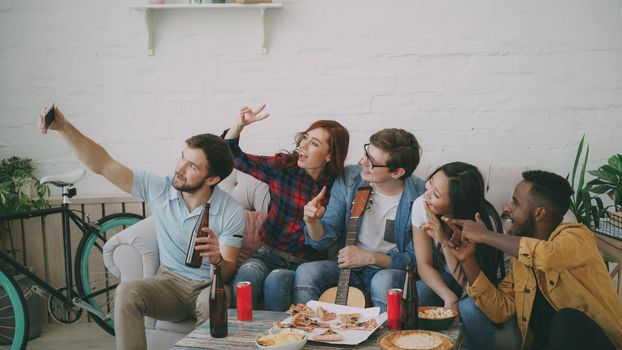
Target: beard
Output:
[(188, 187), (527, 228)]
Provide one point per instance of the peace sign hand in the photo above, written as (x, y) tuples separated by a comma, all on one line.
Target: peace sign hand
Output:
[(314, 210), (248, 116)]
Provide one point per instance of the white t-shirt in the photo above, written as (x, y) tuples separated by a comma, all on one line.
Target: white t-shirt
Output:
[(419, 216), (377, 234)]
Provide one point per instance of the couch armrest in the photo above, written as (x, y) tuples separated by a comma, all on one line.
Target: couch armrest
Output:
[(133, 253)]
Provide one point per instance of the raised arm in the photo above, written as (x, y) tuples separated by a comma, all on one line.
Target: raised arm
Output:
[(90, 153), (263, 168), (476, 231)]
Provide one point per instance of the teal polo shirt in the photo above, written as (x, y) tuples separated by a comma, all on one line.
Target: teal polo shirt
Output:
[(174, 223)]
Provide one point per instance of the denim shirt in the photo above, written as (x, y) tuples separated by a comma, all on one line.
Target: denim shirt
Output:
[(337, 215)]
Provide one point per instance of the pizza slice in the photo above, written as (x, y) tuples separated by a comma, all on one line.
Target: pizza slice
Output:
[(299, 320), (349, 318), (278, 324), (329, 336), (305, 323), (317, 324), (368, 325), (325, 315), (301, 309)]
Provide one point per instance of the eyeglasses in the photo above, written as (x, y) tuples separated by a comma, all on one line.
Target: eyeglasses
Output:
[(370, 162)]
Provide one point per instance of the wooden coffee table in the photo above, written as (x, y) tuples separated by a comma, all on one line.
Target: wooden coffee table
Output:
[(242, 334)]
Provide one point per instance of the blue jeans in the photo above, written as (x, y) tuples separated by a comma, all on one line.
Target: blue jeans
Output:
[(479, 331), (271, 276), (315, 277)]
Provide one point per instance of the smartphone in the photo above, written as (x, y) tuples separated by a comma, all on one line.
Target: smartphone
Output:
[(49, 117)]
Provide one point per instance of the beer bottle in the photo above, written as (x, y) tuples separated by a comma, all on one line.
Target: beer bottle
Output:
[(193, 257), (218, 322), (410, 301)]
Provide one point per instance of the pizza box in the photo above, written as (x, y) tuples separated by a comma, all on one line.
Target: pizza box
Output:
[(350, 336)]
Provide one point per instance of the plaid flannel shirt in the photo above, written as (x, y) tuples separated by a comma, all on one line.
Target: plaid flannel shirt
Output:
[(290, 190)]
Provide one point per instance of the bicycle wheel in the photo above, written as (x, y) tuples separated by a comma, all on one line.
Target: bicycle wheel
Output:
[(13, 315), (95, 284)]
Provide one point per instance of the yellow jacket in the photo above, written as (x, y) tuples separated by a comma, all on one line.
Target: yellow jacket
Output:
[(571, 274)]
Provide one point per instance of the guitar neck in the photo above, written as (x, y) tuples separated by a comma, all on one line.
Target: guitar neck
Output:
[(343, 284)]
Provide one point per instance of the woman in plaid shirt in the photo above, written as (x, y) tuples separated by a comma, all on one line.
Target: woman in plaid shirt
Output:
[(294, 179)]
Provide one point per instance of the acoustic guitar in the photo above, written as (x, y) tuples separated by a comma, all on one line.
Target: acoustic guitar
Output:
[(343, 294)]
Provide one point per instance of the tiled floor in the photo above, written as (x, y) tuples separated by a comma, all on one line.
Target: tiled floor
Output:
[(79, 336)]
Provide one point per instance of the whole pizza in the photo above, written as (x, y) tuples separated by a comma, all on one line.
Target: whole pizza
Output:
[(415, 340)]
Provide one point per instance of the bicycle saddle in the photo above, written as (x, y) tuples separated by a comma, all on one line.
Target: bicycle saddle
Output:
[(66, 179)]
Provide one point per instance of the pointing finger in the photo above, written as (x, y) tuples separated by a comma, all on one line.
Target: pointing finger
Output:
[(320, 195), (454, 225)]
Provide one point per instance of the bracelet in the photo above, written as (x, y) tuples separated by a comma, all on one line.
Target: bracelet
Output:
[(219, 260)]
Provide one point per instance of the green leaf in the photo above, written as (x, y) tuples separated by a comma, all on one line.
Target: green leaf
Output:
[(600, 189), (596, 181), (602, 175), (615, 161), (611, 172), (576, 160), (582, 175), (588, 207)]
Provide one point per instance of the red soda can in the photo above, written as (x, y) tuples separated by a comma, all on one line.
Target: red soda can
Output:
[(394, 300), (244, 300)]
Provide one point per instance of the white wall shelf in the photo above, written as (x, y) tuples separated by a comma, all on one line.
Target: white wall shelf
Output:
[(149, 21)]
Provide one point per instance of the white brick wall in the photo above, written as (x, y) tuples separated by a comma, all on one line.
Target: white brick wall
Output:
[(482, 81)]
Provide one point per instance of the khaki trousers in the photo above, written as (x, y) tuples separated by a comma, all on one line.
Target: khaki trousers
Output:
[(166, 296)]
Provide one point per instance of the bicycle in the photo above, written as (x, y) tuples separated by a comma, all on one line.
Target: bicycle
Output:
[(95, 289)]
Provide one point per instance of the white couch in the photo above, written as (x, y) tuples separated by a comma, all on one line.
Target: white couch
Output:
[(133, 253)]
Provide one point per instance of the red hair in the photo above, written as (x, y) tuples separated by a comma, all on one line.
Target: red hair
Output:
[(338, 142)]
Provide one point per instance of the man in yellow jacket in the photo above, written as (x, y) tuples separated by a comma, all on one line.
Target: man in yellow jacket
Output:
[(557, 286)]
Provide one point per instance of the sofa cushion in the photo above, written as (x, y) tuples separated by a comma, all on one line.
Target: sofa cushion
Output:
[(251, 193)]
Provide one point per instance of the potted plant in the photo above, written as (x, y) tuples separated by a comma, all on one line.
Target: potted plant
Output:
[(20, 191), (581, 201), (608, 180)]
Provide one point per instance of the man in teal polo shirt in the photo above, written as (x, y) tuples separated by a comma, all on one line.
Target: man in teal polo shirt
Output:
[(176, 292)]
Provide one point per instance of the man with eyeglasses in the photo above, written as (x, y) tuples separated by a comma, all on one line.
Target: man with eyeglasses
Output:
[(384, 234)]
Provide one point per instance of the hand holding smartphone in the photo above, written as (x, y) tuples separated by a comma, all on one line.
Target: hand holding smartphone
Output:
[(49, 117)]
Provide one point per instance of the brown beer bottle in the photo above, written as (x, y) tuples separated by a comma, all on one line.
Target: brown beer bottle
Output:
[(410, 302), (193, 257), (218, 318)]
